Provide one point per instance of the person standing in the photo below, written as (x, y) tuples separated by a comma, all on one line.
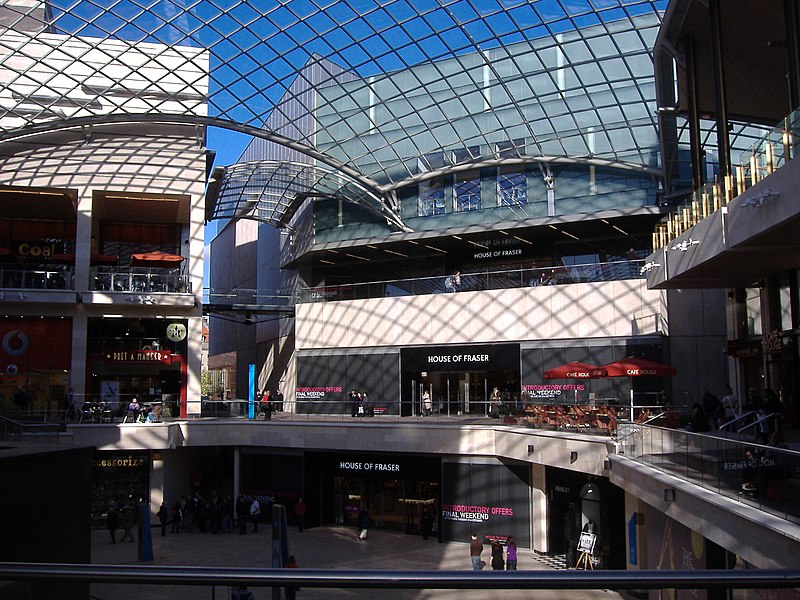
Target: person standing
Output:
[(177, 516), (255, 512), (699, 421), (498, 564), (511, 554), (242, 512), (279, 400), (128, 523), (227, 514), (475, 550), (134, 410), (427, 522), (730, 405), (427, 405), (711, 406), (163, 518), (112, 522), (300, 514), (266, 405)]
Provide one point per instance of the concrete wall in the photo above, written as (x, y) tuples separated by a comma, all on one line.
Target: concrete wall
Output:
[(581, 310)]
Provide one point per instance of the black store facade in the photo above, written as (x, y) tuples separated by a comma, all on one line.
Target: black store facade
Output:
[(463, 494), (489, 496), (460, 378)]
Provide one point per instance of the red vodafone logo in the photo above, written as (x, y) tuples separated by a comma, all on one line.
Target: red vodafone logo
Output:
[(15, 343)]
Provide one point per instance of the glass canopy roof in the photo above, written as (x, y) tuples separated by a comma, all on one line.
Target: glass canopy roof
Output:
[(362, 96)]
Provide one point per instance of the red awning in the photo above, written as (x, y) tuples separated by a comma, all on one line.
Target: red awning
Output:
[(575, 370), (638, 367), (156, 259)]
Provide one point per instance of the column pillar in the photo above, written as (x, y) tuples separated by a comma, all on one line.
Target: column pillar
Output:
[(539, 512)]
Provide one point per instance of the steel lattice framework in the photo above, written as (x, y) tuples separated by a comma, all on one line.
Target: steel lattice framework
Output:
[(354, 98)]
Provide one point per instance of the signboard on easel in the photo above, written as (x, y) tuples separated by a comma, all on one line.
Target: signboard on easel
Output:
[(586, 548)]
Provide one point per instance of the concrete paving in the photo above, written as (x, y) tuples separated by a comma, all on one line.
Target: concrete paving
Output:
[(316, 548)]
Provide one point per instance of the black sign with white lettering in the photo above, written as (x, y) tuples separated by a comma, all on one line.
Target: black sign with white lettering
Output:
[(461, 358)]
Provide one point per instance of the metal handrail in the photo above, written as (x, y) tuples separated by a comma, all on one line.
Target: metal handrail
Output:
[(326, 578), (483, 280), (758, 421), (746, 415)]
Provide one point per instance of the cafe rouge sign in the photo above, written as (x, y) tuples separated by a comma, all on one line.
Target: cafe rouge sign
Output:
[(140, 356)]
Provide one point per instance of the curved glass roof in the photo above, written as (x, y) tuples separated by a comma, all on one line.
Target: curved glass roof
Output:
[(383, 92)]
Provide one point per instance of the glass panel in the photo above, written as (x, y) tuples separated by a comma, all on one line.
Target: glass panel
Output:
[(753, 311), (467, 195), (785, 299), (511, 189), (431, 198)]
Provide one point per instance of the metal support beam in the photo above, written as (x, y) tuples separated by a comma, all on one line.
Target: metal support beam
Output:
[(723, 141)]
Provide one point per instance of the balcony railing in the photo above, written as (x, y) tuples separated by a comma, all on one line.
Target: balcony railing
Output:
[(763, 158), (139, 279), (37, 278), (765, 477), (487, 280)]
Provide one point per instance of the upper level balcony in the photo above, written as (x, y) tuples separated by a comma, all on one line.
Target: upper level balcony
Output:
[(737, 232), (477, 281), (139, 279)]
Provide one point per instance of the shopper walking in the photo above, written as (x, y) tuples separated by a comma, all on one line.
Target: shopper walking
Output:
[(363, 523), (300, 514), (255, 513)]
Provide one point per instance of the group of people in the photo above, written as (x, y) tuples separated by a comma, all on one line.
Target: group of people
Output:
[(142, 413), (269, 402), (711, 413), (500, 559), (359, 404), (123, 516)]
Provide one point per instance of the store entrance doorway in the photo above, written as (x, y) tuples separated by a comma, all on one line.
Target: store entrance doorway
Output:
[(392, 504), (461, 392)]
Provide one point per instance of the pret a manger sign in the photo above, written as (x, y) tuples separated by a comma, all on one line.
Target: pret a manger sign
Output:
[(140, 356)]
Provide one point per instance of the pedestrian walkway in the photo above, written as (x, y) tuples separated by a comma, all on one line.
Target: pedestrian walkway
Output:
[(316, 548)]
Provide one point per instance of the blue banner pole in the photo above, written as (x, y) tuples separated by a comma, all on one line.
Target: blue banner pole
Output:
[(251, 392)]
